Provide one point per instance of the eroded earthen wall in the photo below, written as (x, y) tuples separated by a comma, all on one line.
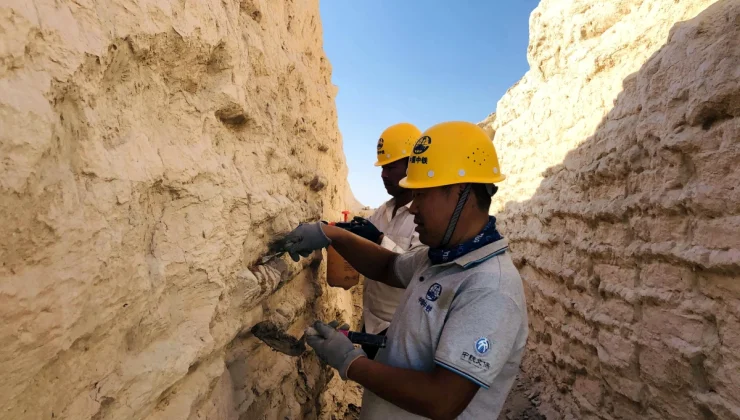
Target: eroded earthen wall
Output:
[(149, 151), (622, 204)]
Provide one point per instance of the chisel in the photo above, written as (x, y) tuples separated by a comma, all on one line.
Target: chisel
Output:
[(283, 342)]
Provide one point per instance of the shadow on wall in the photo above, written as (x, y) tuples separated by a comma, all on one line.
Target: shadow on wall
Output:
[(630, 249)]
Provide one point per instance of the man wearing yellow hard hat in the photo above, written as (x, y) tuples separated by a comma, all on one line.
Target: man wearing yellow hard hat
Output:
[(456, 341), (391, 226)]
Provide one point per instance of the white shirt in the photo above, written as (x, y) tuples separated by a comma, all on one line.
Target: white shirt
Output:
[(380, 300), (468, 316)]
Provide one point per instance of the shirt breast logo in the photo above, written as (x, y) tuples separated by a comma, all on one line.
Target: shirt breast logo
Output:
[(482, 345), (434, 291)]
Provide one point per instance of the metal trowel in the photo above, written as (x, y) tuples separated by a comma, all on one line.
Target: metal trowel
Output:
[(282, 242), (278, 339), (267, 258), (278, 247), (285, 343)]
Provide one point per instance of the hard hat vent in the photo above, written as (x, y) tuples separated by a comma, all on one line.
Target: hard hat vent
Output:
[(480, 158)]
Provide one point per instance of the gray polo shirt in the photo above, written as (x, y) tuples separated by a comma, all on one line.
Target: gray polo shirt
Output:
[(468, 316)]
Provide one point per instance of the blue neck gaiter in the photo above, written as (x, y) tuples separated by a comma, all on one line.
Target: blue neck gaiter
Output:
[(488, 235)]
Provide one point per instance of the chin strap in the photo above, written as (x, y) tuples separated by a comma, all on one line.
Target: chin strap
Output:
[(456, 215)]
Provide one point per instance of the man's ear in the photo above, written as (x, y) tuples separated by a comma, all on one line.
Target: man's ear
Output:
[(454, 190)]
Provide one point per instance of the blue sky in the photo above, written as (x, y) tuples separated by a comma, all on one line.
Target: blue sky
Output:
[(417, 61)]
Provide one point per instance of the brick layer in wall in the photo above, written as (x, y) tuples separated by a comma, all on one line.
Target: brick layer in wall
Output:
[(630, 248)]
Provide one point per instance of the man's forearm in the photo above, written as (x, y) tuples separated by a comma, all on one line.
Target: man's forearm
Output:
[(371, 260), (417, 392)]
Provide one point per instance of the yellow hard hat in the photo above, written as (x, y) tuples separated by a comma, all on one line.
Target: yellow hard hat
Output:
[(396, 142), (452, 152)]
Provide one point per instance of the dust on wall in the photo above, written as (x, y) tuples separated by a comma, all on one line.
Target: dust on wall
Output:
[(149, 151), (622, 206)]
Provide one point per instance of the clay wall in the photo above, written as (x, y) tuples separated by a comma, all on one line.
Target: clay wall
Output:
[(150, 150), (622, 206)]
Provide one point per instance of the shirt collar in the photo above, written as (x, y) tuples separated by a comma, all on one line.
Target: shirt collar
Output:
[(390, 204), (479, 255)]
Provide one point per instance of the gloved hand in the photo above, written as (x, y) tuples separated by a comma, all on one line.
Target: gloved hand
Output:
[(363, 227), (333, 347), (305, 239), (335, 324)]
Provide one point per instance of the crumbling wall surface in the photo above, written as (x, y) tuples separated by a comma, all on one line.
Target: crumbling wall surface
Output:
[(149, 150), (622, 205)]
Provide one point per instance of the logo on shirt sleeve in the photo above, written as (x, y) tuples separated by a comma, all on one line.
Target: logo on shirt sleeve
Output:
[(434, 291), (482, 345), (475, 361)]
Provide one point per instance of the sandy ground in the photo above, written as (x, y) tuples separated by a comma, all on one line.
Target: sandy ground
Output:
[(522, 403), (523, 400)]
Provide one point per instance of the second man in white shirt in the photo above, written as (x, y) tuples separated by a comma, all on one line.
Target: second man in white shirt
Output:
[(390, 226)]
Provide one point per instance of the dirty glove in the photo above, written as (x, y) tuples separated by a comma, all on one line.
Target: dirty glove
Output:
[(333, 347), (334, 324), (305, 239), (363, 227)]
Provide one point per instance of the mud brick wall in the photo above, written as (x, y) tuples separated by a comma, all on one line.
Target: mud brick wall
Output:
[(150, 150), (622, 205)]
